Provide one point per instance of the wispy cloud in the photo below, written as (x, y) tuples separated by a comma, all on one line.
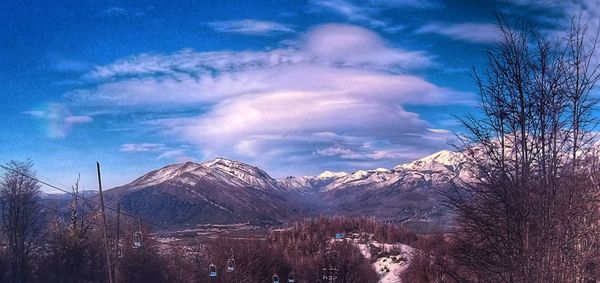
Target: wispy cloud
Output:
[(142, 147), (58, 120), (332, 44), (368, 13), (470, 32), (251, 27), (122, 12), (340, 87), (179, 155), (352, 12)]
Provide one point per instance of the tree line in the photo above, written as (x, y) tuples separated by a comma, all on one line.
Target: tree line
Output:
[(41, 244)]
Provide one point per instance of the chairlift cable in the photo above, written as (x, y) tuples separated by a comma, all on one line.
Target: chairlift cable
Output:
[(84, 198)]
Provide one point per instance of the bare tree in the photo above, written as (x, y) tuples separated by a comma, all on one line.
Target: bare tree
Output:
[(19, 213), (531, 214)]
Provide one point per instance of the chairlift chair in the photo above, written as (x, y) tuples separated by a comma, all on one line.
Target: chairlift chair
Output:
[(137, 239), (231, 265), (212, 270), (275, 278), (292, 277)]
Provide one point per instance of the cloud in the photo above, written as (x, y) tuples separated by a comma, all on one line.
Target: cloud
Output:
[(122, 12), (352, 12), (355, 46), (368, 13), (335, 98), (142, 147), (190, 78), (182, 153), (560, 12), (58, 120), (470, 32), (179, 155), (337, 44), (251, 27)]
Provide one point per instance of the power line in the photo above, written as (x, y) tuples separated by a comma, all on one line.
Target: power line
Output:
[(85, 199)]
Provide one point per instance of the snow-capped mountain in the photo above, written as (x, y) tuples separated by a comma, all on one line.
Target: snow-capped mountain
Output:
[(229, 172), (440, 167), (227, 191), (217, 191)]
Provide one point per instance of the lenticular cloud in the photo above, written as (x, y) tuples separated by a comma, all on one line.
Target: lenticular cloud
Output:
[(337, 86)]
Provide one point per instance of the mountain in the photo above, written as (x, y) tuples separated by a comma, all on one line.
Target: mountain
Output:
[(228, 191), (218, 191)]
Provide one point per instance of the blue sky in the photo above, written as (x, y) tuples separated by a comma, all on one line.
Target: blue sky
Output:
[(294, 87)]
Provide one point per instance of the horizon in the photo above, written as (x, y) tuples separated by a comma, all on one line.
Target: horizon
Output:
[(293, 88)]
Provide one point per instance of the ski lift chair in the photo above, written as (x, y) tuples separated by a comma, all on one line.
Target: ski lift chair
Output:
[(212, 270), (137, 239), (292, 277), (230, 265)]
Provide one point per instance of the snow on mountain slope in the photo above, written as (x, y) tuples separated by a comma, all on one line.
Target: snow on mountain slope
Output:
[(443, 166), (438, 162), (221, 170), (227, 191), (217, 191), (234, 173), (328, 175), (308, 184)]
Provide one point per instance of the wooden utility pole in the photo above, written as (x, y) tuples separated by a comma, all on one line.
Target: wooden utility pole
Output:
[(106, 245), (118, 242)]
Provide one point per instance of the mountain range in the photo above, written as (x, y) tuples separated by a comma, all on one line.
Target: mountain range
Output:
[(224, 191)]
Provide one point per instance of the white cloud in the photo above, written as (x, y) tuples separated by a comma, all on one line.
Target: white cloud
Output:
[(340, 87), (356, 46), (142, 147), (337, 44), (470, 32), (179, 155), (251, 27), (58, 120), (368, 13), (189, 77), (122, 12), (354, 13)]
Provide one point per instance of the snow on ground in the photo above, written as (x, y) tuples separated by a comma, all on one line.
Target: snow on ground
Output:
[(389, 267)]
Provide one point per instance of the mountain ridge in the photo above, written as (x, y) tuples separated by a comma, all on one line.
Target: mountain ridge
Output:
[(228, 191)]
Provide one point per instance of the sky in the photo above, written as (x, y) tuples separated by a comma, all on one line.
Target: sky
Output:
[(293, 87)]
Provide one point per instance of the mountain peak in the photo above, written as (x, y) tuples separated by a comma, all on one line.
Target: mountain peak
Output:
[(329, 175), (441, 160), (222, 161)]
